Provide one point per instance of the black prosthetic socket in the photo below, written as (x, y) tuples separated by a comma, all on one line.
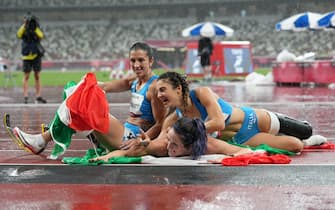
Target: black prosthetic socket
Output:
[(293, 127)]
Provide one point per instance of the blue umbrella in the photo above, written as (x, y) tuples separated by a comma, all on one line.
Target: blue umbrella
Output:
[(207, 29), (302, 21), (327, 20)]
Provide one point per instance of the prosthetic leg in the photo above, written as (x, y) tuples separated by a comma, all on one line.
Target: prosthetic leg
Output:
[(294, 127), (282, 124)]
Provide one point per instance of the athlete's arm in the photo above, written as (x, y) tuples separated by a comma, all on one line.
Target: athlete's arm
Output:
[(158, 110), (216, 118), (216, 146), (117, 85), (156, 147)]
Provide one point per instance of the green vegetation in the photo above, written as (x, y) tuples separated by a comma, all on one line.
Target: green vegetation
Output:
[(263, 71), (58, 78), (51, 78)]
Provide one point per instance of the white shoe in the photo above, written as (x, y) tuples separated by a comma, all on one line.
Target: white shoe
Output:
[(315, 140), (29, 141)]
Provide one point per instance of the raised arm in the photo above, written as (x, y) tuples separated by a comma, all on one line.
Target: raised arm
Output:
[(39, 33), (21, 31)]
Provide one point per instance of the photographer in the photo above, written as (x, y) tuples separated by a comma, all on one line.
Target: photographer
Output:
[(32, 52)]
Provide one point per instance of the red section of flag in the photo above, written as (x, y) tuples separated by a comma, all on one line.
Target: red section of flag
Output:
[(88, 106), (326, 145), (256, 158)]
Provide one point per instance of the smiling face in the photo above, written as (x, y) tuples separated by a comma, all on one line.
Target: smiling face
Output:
[(170, 97), (175, 146), (140, 62)]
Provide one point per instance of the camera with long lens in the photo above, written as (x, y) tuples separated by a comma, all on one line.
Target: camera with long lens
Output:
[(31, 22)]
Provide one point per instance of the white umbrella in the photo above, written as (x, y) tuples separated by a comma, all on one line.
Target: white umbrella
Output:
[(207, 29), (327, 20), (302, 21), (332, 21)]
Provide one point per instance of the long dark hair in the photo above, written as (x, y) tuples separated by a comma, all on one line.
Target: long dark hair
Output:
[(192, 133), (175, 79)]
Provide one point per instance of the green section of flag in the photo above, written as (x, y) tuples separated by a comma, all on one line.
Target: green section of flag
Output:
[(91, 153)]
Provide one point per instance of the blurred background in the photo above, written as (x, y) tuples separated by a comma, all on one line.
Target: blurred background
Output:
[(98, 33)]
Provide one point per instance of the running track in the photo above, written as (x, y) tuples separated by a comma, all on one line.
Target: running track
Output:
[(308, 182)]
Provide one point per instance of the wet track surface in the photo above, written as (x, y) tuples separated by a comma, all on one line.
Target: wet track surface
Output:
[(32, 182)]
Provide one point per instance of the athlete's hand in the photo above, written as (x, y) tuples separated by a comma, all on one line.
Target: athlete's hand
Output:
[(116, 153), (136, 147), (242, 151), (128, 144), (141, 140)]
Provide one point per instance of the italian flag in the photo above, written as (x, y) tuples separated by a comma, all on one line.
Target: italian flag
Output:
[(84, 109), (86, 106)]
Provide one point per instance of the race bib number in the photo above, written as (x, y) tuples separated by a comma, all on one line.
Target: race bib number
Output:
[(135, 103)]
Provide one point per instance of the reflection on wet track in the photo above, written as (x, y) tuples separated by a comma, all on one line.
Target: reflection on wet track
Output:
[(31, 182)]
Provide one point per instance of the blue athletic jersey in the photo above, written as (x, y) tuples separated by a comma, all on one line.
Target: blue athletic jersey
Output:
[(226, 108), (140, 106)]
